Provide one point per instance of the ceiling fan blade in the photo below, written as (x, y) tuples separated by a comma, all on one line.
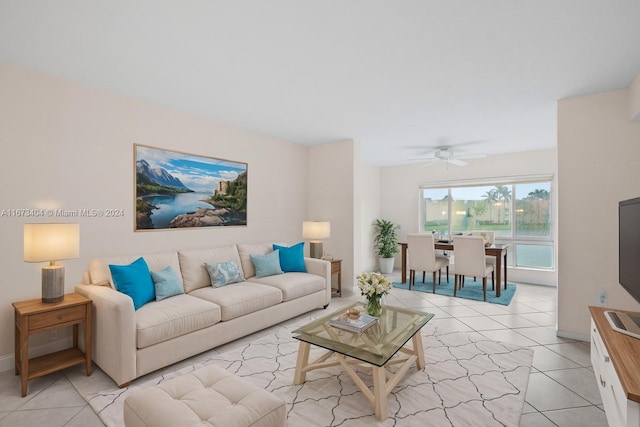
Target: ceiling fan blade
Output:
[(457, 162)]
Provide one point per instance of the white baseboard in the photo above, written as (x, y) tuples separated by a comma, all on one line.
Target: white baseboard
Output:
[(7, 362)]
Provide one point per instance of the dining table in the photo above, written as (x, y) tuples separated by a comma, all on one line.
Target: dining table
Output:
[(499, 250)]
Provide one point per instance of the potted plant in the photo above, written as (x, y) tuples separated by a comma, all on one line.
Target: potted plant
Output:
[(386, 244)]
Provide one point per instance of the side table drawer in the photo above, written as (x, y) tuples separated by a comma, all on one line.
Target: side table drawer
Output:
[(335, 267), (56, 317)]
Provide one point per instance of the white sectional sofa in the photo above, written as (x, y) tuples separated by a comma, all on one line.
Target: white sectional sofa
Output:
[(130, 343)]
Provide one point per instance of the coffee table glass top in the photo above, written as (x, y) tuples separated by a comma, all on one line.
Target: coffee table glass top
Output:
[(377, 344)]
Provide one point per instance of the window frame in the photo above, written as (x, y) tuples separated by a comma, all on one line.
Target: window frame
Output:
[(512, 239)]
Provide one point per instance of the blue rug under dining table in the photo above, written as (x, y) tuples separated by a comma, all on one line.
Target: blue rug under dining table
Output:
[(471, 290)]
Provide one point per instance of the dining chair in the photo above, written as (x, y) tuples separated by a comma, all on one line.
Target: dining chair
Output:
[(422, 257), (470, 260), (489, 236)]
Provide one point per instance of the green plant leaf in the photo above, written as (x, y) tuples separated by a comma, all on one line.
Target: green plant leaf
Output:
[(385, 240)]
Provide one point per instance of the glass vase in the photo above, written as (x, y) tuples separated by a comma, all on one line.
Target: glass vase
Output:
[(374, 305)]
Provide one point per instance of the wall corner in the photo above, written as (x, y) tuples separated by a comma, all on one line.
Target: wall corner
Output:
[(634, 99)]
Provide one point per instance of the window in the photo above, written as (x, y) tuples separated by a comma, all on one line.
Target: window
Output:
[(436, 210), (533, 209), (534, 255), (518, 212)]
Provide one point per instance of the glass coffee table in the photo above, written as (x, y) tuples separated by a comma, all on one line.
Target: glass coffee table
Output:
[(381, 346)]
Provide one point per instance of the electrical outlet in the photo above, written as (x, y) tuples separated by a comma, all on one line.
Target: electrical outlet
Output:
[(54, 335), (602, 297)]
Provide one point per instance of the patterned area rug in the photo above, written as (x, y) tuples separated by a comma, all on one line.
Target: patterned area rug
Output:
[(472, 290), (467, 381)]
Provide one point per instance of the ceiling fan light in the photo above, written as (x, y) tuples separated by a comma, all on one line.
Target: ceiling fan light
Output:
[(445, 154)]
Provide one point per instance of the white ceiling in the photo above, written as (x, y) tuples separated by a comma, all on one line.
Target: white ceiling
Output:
[(389, 74)]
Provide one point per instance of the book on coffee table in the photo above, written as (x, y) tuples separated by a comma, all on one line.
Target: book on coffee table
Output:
[(358, 323)]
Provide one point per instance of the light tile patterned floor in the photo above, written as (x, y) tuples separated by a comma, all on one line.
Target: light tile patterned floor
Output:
[(562, 388)]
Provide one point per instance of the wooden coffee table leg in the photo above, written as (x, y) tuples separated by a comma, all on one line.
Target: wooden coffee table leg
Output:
[(418, 350), (302, 362), (380, 393)]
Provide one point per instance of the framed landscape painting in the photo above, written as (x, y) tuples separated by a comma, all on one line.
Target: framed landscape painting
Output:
[(175, 190)]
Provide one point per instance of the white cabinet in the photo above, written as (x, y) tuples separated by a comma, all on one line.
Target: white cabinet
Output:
[(620, 410)]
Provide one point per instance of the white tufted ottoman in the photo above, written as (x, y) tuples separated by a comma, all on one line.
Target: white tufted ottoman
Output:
[(209, 396)]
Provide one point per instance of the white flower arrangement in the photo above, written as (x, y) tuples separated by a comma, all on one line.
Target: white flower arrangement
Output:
[(373, 284)]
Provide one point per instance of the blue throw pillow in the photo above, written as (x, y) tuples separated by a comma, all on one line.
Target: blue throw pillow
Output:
[(267, 265), (292, 257), (224, 273), (166, 283), (134, 280)]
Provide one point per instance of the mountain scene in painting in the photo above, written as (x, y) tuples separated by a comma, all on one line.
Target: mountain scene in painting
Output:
[(177, 190)]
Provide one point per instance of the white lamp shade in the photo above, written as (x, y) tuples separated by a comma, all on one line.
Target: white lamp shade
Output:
[(316, 230), (51, 242)]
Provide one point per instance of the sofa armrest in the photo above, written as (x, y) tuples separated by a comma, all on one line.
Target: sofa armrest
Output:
[(114, 331), (322, 268)]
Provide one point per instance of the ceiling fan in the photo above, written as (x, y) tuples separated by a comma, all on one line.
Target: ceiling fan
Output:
[(446, 154)]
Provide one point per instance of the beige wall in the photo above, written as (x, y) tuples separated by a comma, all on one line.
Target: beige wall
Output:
[(599, 165), (69, 146), (368, 207), (634, 101), (330, 198), (345, 191), (400, 194)]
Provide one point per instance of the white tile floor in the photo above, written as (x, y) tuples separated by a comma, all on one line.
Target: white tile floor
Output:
[(562, 389)]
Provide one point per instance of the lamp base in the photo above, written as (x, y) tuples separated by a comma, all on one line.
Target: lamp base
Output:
[(315, 249), (52, 283)]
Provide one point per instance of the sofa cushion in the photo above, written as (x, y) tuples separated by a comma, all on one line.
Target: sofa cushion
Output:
[(160, 321), (224, 273), (291, 257), (194, 273), (241, 298), (245, 250), (166, 283), (99, 273), (267, 265), (135, 281), (293, 285)]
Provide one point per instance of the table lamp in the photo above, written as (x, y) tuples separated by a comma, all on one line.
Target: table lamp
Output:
[(316, 231), (51, 242)]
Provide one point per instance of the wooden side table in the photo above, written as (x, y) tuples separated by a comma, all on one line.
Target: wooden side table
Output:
[(336, 268), (34, 316)]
